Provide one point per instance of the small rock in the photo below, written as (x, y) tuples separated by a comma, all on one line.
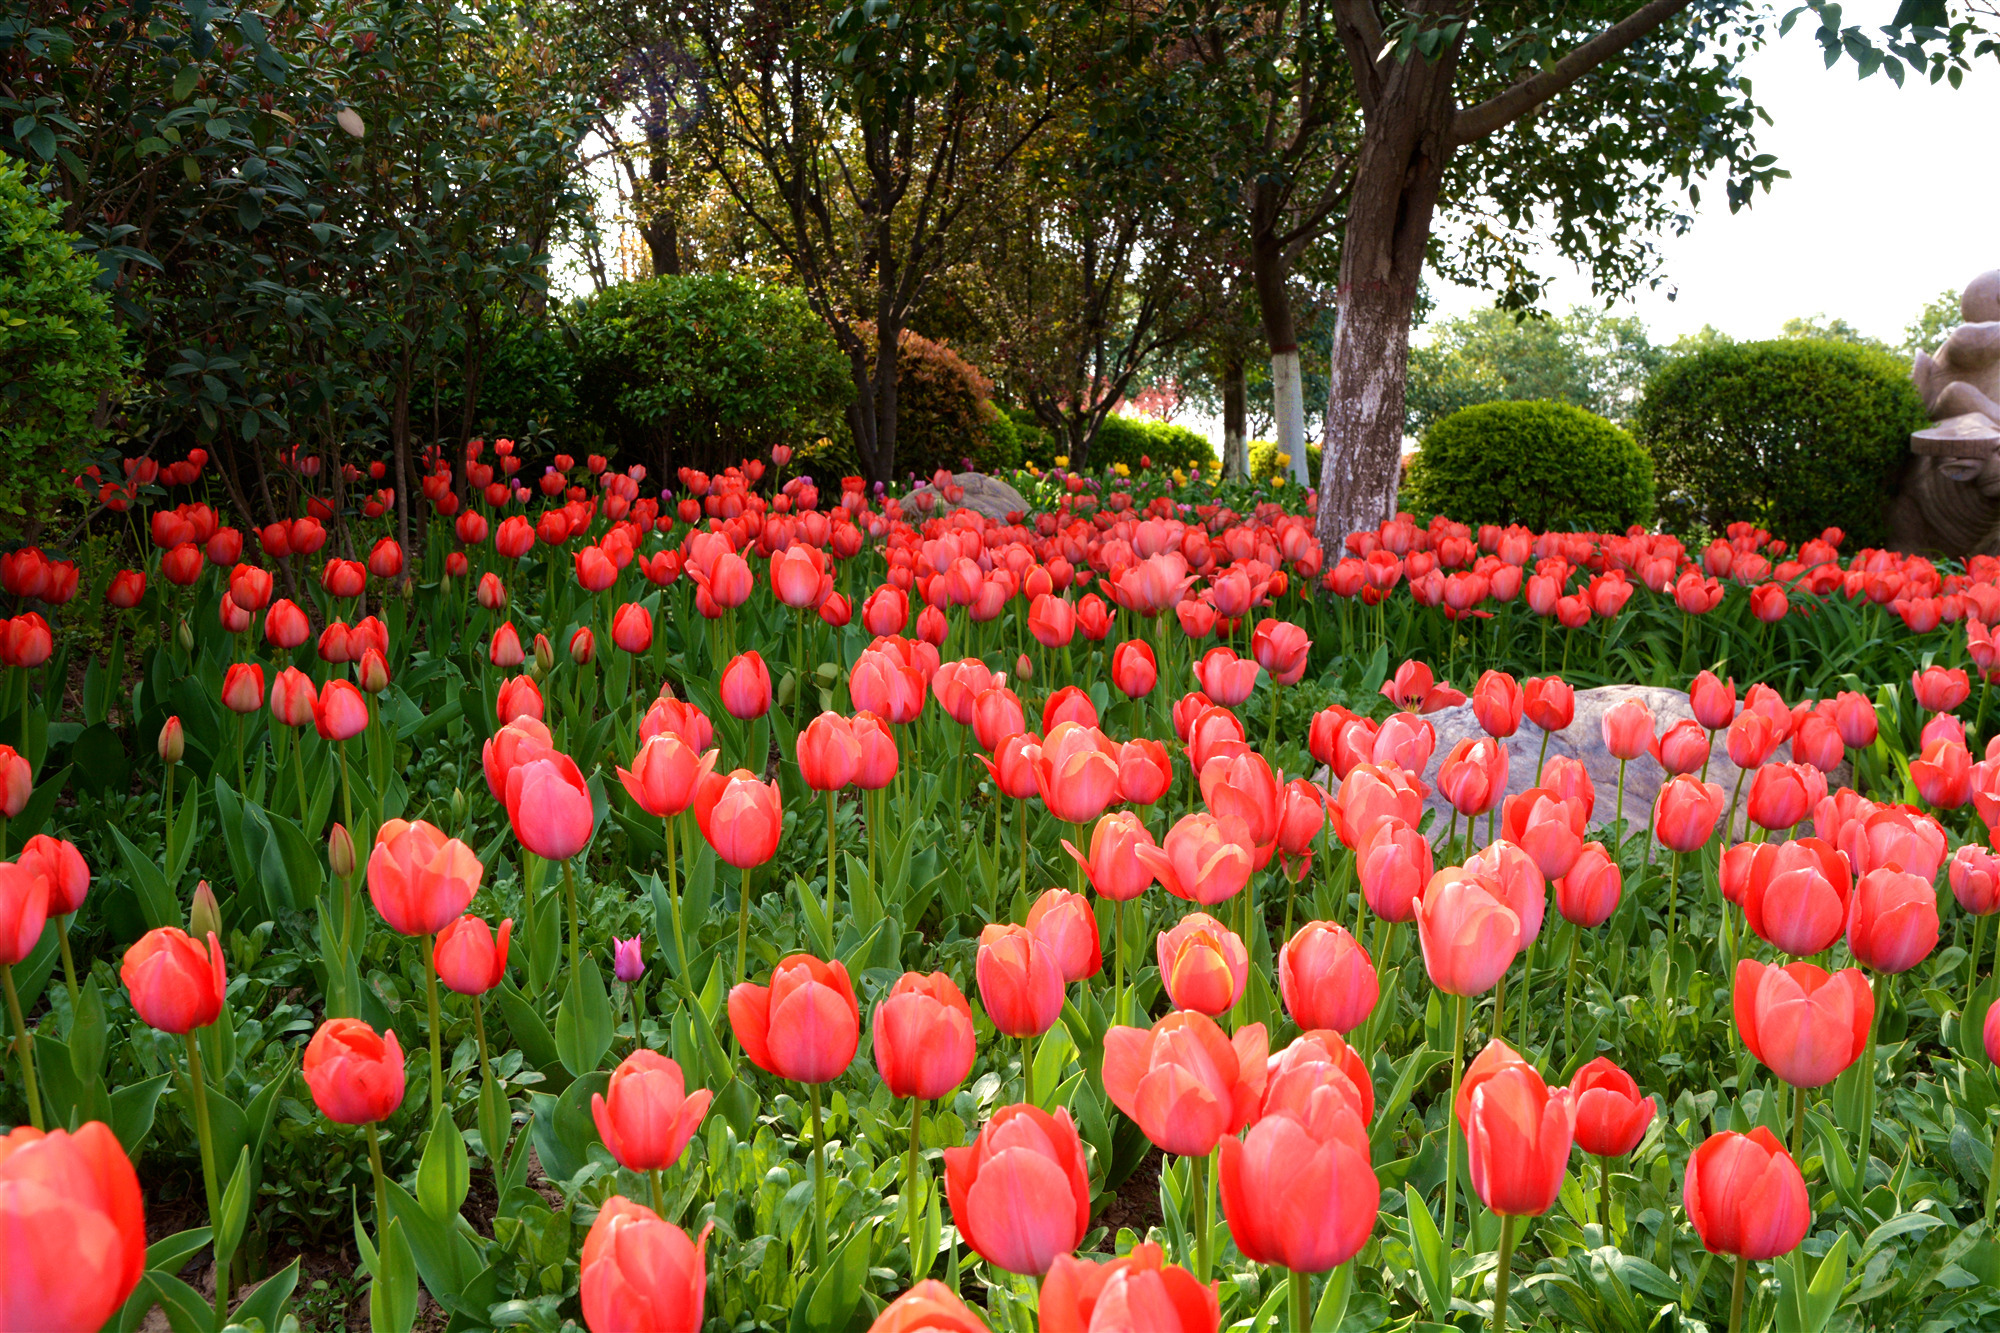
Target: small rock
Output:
[(987, 496)]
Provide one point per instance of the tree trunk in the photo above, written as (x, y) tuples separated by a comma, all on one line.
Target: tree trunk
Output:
[(1405, 151), (1268, 272), (1235, 418)]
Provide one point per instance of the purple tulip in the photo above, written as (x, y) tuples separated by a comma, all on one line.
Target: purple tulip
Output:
[(628, 961)]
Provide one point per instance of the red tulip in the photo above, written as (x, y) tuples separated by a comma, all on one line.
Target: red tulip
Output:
[(250, 587), (1893, 836), (745, 688), (1942, 775), (646, 1115), (1804, 1025), (1974, 873), (1020, 1193), (549, 806), (641, 1274), (1547, 827), (1020, 980), (1133, 669), (1498, 703), (176, 983), (632, 628), (1684, 747), (504, 648), (1213, 733), (1393, 865), (1113, 866), (1138, 1292), (1052, 620), (293, 697), (243, 687), (1517, 1138), (355, 1075), (470, 960), (1469, 936), (1713, 701), (1145, 771), (1628, 729), (1611, 1116), (879, 758), (740, 816), (1326, 978), (996, 715), (340, 711), (1205, 859), (285, 626), (1281, 648), (928, 1307), (1403, 741), (1068, 704), (804, 1026), (1751, 739), (923, 1036), (663, 775), (1588, 894), (1940, 689), (1226, 678), (419, 879), (957, 685), (1892, 921), (62, 866), (1473, 777), (1076, 772), (24, 909), (1686, 812), (1184, 1082), (1548, 702), (1203, 964), (1854, 717), (1065, 923), (1298, 1189), (127, 587), (1794, 895), (828, 752), (72, 1229), (1318, 1059), (1745, 1196), (799, 576)]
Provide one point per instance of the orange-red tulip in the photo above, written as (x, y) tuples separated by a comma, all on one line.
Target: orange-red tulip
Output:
[(1298, 1189), (549, 806), (828, 752), (470, 958), (1745, 1196), (177, 984), (1113, 866), (1139, 1292), (928, 1307), (419, 878), (243, 687), (1065, 923), (1892, 920), (640, 1273), (1020, 980), (1326, 978), (1588, 894), (24, 909), (745, 688), (1020, 1193), (63, 866), (1206, 859), (1804, 1025), (1686, 813), (1076, 772), (923, 1036), (739, 816), (1611, 1116), (1145, 771), (1393, 864), (646, 1115), (355, 1074), (1184, 1082), (1517, 1138), (72, 1229), (1203, 964), (663, 775), (1133, 668), (804, 1026)]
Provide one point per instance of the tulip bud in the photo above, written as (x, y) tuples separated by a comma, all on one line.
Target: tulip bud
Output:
[(460, 807), (372, 675), (628, 959), (340, 851), (172, 743), (1023, 668), (545, 656), (205, 915), (582, 647), (185, 635)]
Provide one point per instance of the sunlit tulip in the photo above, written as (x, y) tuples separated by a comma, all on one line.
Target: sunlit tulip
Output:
[(828, 753), (1942, 774), (1498, 704), (1403, 741), (1138, 1291), (355, 1075), (176, 983), (1686, 812), (340, 711), (1889, 836), (1076, 772), (1145, 771), (1469, 936), (1393, 867), (745, 689), (1611, 1116), (996, 715), (1068, 704), (1318, 1058), (1225, 677), (1281, 648), (1781, 795), (470, 958), (1184, 1082), (1548, 702), (1854, 717), (1298, 1189), (1020, 1193), (243, 687), (646, 1115), (1065, 923), (1712, 700), (1794, 895), (72, 1230), (1745, 1197), (1326, 978), (1052, 620), (1628, 729), (549, 806), (804, 1026), (641, 1274), (1545, 826), (1473, 777), (663, 775), (1020, 980), (1684, 747), (928, 1307), (879, 758), (740, 816), (1974, 873), (1133, 669), (1518, 1132), (1113, 866), (1804, 1025), (419, 879), (1940, 689), (1892, 920), (1751, 739), (1205, 859), (1588, 894), (1203, 964), (923, 1039)]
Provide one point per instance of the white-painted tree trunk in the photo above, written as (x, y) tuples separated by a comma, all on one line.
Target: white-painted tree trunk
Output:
[(1288, 411)]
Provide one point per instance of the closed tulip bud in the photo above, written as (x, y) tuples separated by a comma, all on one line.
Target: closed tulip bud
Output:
[(1498, 703), (1686, 812), (1974, 873), (745, 689), (1138, 1290), (340, 712), (1020, 980), (419, 879), (1684, 747), (1611, 1116), (740, 816), (74, 1229), (1588, 894), (177, 984), (469, 959), (518, 697), (184, 635), (646, 1115), (1713, 700), (1206, 859), (829, 754), (1133, 668), (549, 806), (632, 628), (172, 744), (1326, 978), (62, 867), (804, 1026), (204, 913), (1064, 922), (1298, 1189), (1145, 771), (1393, 866), (1781, 795), (285, 626), (1854, 717), (1184, 1082), (243, 687), (1203, 964), (545, 655), (371, 673), (1745, 1197), (663, 775), (340, 851), (1892, 922), (17, 781), (1548, 702), (639, 1272), (923, 1037), (1805, 1025), (928, 1307), (1518, 1133), (1469, 936), (1113, 866), (582, 646), (1628, 729), (1020, 1193), (1281, 648), (880, 759), (504, 648), (355, 1075)]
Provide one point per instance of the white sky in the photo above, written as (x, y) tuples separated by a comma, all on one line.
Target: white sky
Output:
[(1892, 199)]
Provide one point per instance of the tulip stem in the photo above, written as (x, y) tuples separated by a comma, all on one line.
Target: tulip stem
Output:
[(1673, 895), (1527, 995), (1736, 1295), (674, 900), (1868, 1083), (1619, 818), (1118, 960), (819, 1180), (1271, 734), (1201, 1178), (299, 770), (1024, 846), (1503, 1274), (569, 896), (1569, 989), (659, 1192), (1543, 757), (1992, 1177), (1978, 948), (437, 1027), (346, 789), (23, 1046), (743, 927), (829, 857), (1451, 1125), (198, 1096), (375, 1162), (528, 913), (1028, 1070), (1799, 1127), (69, 960), (918, 1270)]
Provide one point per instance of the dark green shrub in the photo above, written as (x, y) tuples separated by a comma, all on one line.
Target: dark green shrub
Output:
[(529, 387), (1795, 435), (705, 370), (62, 362), (1545, 465), (945, 417)]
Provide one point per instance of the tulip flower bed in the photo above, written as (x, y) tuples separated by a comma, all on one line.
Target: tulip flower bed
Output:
[(752, 908)]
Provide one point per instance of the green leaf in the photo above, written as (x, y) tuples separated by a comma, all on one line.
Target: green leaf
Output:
[(584, 1021), (132, 1108), (87, 1034), (157, 903), (563, 1128), (235, 1205), (392, 1301), (830, 1303), (267, 1303), (1428, 1248), (444, 1176), (443, 1256), (171, 1253), (531, 1034), (186, 1311)]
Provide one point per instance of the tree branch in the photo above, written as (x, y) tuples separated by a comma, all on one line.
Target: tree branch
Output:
[(1502, 109)]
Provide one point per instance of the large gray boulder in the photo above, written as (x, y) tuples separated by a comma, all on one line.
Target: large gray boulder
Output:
[(987, 496)]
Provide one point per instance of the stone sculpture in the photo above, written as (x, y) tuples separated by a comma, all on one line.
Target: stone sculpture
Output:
[(1949, 501)]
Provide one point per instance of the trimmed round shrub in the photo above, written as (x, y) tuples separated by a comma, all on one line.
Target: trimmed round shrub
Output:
[(62, 361), (1120, 439), (1795, 435), (707, 369), (1543, 465)]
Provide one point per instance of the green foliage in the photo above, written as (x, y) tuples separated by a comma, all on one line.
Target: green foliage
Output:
[(61, 356), (1122, 439), (703, 370), (530, 387), (1829, 330), (1796, 435), (1264, 463), (945, 417), (1545, 465), (1587, 359), (1940, 315)]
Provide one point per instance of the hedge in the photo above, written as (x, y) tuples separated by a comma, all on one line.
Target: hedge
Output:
[(1544, 465)]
